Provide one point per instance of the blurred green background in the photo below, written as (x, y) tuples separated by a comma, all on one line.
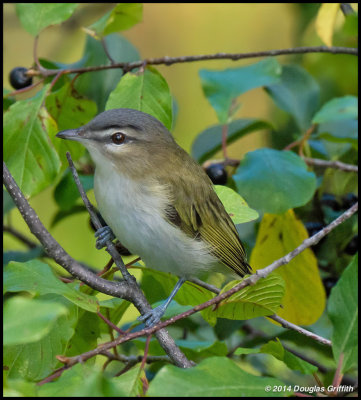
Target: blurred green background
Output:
[(175, 30)]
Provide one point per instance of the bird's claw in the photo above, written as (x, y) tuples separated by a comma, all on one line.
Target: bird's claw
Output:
[(103, 234), (152, 317)]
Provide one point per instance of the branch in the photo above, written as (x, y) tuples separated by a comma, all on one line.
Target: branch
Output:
[(290, 325), (331, 164), (117, 289), (53, 248), (218, 56), (18, 235), (251, 280), (311, 241), (111, 249)]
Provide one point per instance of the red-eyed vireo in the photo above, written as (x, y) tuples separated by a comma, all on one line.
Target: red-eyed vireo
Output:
[(157, 200)]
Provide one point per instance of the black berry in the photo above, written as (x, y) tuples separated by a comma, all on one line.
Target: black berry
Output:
[(352, 247), (313, 227), (329, 283), (329, 200), (217, 174), (18, 79), (349, 200)]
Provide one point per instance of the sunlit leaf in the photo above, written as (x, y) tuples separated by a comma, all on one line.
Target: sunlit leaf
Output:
[(304, 299), (325, 21), (34, 17), (37, 277), (235, 205), (37, 319), (28, 151), (263, 298), (123, 16), (145, 91)]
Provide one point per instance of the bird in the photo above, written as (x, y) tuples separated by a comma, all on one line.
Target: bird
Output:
[(157, 200)]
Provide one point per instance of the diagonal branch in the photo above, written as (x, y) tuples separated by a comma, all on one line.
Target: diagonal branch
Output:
[(117, 289)]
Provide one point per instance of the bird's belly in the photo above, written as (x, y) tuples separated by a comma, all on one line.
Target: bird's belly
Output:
[(135, 216)]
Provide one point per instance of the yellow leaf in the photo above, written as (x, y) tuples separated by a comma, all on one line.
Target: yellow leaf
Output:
[(304, 300), (325, 21)]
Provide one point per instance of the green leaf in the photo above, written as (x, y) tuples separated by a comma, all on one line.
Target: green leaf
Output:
[(81, 381), (145, 91), (98, 85), (304, 300), (343, 312), (122, 17), (235, 205), (37, 277), (34, 361), (208, 142), (263, 298), (213, 377), (198, 350), (34, 17), (22, 256), (274, 181), (61, 214), (37, 319), (276, 349), (87, 333), (222, 87), (297, 93), (66, 192), (337, 109), (293, 362), (188, 294), (341, 131), (28, 152), (70, 110)]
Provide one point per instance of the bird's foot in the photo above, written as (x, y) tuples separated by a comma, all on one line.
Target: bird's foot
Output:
[(103, 234), (152, 317)]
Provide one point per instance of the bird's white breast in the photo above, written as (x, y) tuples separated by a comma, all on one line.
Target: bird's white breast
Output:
[(135, 213)]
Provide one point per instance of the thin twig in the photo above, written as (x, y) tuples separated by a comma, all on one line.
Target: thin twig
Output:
[(105, 47), (18, 235), (251, 280), (290, 325), (331, 164), (119, 289), (217, 56), (111, 249), (53, 248), (347, 9), (311, 241), (110, 323)]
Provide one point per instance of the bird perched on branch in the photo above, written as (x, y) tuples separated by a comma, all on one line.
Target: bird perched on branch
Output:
[(157, 200)]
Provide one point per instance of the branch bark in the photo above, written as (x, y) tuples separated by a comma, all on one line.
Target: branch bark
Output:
[(185, 59), (113, 288)]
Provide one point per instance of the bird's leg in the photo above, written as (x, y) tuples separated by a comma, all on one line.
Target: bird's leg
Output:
[(103, 234), (152, 317)]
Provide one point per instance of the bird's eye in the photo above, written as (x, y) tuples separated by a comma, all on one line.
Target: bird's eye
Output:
[(118, 138)]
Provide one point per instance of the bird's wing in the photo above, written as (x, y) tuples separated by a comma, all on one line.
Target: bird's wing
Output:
[(203, 217)]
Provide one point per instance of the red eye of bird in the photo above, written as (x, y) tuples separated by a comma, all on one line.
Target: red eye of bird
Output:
[(118, 138)]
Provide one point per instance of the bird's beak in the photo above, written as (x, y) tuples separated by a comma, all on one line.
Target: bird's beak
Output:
[(70, 134)]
